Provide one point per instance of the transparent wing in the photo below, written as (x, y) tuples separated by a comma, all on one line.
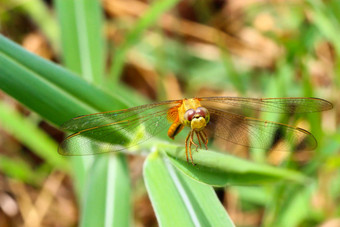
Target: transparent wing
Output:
[(256, 133), (274, 105), (98, 119), (114, 130)]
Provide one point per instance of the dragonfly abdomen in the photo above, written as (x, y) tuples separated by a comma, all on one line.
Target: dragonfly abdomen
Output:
[(174, 129)]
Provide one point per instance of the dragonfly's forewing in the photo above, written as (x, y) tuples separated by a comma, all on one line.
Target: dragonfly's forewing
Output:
[(273, 105), (115, 130), (255, 133)]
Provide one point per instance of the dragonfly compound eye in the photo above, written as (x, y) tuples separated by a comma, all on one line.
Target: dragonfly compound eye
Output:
[(189, 114), (202, 111)]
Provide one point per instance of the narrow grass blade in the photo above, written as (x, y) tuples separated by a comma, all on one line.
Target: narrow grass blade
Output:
[(30, 135), (325, 20), (83, 53), (48, 89), (289, 205), (219, 169), (19, 170), (106, 202), (258, 195), (179, 200), (156, 9), (296, 209), (81, 36)]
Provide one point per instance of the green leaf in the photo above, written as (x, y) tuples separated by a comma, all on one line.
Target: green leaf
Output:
[(179, 200), (82, 46), (107, 201), (81, 36), (289, 205), (30, 135), (296, 208), (148, 19), (48, 89), (83, 52), (325, 21), (219, 169), (19, 170), (254, 194)]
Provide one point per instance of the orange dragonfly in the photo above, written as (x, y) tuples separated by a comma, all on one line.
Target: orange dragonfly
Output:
[(205, 117)]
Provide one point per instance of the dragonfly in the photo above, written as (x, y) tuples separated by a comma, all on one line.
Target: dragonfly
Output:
[(205, 118)]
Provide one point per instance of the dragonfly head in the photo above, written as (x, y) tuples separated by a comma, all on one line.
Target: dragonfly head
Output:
[(197, 119)]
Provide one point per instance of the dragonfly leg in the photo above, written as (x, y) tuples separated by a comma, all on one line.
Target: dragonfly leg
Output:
[(192, 160), (192, 140), (204, 139), (201, 137), (186, 146), (198, 138)]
